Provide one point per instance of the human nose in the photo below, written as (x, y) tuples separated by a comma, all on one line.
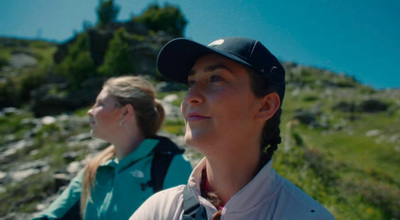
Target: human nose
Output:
[(195, 95), (90, 112)]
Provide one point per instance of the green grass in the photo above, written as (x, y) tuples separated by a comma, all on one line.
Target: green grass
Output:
[(176, 127), (357, 177), (12, 125), (82, 112), (23, 196), (176, 102), (330, 182)]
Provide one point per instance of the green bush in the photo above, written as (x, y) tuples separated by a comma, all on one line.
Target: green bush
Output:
[(168, 18), (119, 56), (176, 127), (9, 93), (377, 193), (3, 61), (78, 65), (31, 80), (107, 12)]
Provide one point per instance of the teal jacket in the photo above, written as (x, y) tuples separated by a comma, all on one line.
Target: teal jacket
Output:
[(118, 190)]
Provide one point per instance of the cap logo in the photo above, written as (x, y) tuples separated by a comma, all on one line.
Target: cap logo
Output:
[(217, 42)]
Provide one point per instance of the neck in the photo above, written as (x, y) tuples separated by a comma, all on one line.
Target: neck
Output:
[(227, 175), (127, 143)]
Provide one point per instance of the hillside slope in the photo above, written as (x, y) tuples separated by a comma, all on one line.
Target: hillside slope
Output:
[(341, 141)]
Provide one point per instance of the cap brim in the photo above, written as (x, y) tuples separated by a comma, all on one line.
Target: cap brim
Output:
[(178, 56)]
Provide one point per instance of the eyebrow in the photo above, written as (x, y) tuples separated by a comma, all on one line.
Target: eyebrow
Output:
[(211, 68)]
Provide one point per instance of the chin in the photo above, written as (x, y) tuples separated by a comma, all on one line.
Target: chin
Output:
[(94, 134), (196, 141)]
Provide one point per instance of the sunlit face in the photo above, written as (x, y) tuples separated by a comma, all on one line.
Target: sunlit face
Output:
[(104, 116), (219, 107)]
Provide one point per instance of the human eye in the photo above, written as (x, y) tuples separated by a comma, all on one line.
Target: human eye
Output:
[(191, 82), (215, 78), (98, 103)]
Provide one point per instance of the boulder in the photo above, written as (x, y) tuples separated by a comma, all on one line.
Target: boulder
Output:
[(305, 117), (372, 105)]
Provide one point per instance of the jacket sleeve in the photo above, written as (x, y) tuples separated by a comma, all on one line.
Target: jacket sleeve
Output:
[(166, 204), (178, 172), (67, 204)]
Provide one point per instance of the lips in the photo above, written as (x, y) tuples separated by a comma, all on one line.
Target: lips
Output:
[(196, 117), (91, 122)]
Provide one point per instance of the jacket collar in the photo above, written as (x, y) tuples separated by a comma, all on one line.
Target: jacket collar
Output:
[(142, 151), (263, 186)]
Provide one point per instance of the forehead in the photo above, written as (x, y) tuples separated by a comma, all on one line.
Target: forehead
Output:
[(104, 95), (214, 60), (103, 92)]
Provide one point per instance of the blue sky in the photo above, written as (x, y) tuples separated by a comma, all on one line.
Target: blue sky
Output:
[(356, 37)]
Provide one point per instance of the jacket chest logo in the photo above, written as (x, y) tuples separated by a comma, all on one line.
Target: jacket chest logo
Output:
[(137, 173)]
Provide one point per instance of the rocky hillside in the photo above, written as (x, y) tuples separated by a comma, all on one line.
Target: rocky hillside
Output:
[(341, 141), (340, 136), (39, 156)]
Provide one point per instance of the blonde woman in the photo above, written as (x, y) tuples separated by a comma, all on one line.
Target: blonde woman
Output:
[(116, 182), (232, 114)]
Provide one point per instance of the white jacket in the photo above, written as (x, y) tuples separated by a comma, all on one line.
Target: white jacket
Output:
[(267, 196)]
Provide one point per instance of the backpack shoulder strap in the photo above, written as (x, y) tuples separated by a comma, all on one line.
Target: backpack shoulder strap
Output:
[(192, 210), (163, 152)]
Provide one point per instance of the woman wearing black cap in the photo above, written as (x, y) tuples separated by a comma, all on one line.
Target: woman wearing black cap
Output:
[(232, 115)]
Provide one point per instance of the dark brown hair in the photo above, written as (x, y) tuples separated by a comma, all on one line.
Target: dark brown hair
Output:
[(270, 137)]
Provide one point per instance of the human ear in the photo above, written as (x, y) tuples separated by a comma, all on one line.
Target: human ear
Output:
[(127, 112), (268, 106)]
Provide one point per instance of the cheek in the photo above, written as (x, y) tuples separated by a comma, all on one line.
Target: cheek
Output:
[(234, 107), (227, 102), (183, 107), (104, 117)]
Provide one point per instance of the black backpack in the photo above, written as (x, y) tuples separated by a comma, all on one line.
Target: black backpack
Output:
[(163, 152)]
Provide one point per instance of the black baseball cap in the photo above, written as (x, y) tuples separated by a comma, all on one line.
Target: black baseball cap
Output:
[(178, 56)]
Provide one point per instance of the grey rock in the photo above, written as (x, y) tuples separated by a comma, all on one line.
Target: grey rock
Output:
[(22, 59), (3, 175), (305, 117), (23, 174), (71, 156), (10, 111), (97, 145), (47, 120), (80, 137), (60, 180), (74, 167)]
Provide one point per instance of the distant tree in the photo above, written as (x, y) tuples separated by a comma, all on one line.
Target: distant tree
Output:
[(168, 18), (9, 93), (3, 61), (118, 59), (86, 25), (78, 65), (107, 12)]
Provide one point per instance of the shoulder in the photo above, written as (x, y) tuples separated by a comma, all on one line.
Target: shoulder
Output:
[(295, 203), (181, 160), (166, 204), (178, 171), (167, 145), (181, 166)]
